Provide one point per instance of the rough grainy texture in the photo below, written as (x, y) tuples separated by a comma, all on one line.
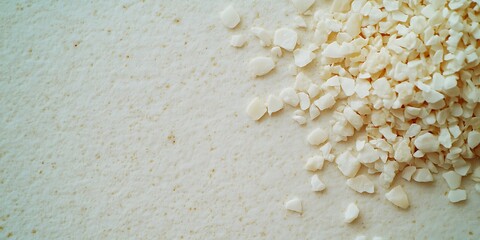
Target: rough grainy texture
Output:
[(126, 121)]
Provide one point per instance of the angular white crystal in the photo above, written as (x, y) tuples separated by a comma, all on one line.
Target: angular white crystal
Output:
[(361, 183), (351, 213), (285, 38), (398, 196), (294, 204), (261, 65), (230, 17), (317, 136)]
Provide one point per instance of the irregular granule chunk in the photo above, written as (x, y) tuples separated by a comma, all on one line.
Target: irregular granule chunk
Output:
[(325, 102), (274, 104), (256, 109), (262, 34), (351, 213), (238, 40), (314, 112), (304, 101), (348, 164), (398, 197), (427, 143), (285, 38), (261, 65), (302, 5), (294, 204), (301, 120), (361, 184), (353, 118), (403, 152), (230, 17), (453, 179), (457, 195), (303, 57), (290, 97), (317, 184), (476, 174), (317, 136), (473, 139), (408, 172), (422, 175)]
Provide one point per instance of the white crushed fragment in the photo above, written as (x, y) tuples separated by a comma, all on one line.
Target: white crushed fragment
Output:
[(256, 109), (473, 139), (262, 34), (274, 104), (285, 38), (461, 167), (302, 82), (348, 85), (457, 195), (408, 172), (276, 51), (476, 174), (313, 111), (453, 179), (359, 145), (455, 131), (317, 184), (477, 187), (317, 136), (403, 152), (238, 40), (418, 154), (294, 204), (325, 102), (314, 163), (333, 51), (368, 154), (290, 97), (398, 197), (303, 57), (299, 22), (361, 183), (427, 143), (353, 118), (302, 5), (230, 17), (301, 120), (260, 66), (304, 100), (387, 132), (348, 164), (313, 90), (351, 213), (422, 175)]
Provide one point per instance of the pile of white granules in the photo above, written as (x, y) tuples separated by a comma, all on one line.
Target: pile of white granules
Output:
[(402, 79)]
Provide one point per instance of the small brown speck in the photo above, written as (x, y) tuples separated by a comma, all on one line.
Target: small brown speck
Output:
[(171, 138), (176, 20), (470, 233), (34, 231), (9, 235)]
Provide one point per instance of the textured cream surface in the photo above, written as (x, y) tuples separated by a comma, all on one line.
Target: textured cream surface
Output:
[(126, 120)]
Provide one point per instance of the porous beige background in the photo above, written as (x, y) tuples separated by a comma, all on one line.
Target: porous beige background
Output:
[(125, 120)]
